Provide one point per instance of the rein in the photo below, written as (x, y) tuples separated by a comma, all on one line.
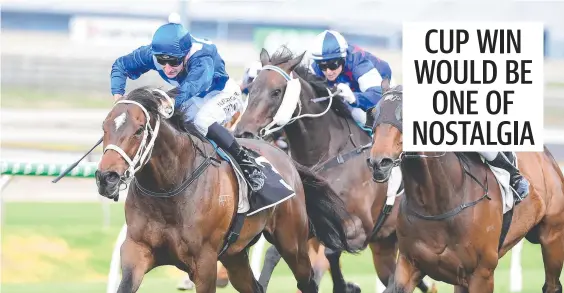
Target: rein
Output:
[(268, 129), (459, 208)]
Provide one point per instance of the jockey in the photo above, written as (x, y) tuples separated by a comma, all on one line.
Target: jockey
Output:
[(357, 73), (207, 95), (508, 161), (251, 72)]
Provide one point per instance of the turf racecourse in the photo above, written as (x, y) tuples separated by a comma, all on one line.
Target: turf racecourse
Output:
[(64, 247)]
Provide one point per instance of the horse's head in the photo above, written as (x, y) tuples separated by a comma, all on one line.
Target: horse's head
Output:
[(273, 95), (387, 141), (130, 131)]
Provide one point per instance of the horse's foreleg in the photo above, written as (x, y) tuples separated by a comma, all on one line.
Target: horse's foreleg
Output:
[(297, 258), (240, 273), (405, 278), (320, 263), (271, 259), (205, 272), (481, 281), (339, 284), (292, 243), (384, 253), (136, 260), (553, 258)]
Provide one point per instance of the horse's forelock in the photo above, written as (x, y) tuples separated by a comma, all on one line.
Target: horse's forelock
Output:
[(149, 99), (317, 83)]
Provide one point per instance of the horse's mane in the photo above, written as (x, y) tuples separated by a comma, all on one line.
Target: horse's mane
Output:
[(319, 84), (148, 99)]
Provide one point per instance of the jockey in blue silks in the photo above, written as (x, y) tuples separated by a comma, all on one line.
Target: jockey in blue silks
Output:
[(207, 95), (359, 75)]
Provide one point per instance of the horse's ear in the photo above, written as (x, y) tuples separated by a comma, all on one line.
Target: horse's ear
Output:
[(295, 62), (264, 57)]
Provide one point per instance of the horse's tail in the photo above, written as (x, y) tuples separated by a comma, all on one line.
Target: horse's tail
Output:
[(326, 211)]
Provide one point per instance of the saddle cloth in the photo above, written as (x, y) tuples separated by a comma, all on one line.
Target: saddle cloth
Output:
[(273, 193), (395, 187), (502, 177)]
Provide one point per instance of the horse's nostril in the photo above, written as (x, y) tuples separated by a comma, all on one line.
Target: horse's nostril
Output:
[(247, 134), (386, 162), (112, 177)]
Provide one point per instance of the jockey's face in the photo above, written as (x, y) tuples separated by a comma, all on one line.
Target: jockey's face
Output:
[(171, 66), (331, 68)]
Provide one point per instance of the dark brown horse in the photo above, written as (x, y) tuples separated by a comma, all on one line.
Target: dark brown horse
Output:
[(183, 200), (450, 220), (329, 141)]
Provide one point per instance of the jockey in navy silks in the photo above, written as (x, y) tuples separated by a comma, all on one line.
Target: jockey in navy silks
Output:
[(207, 95), (359, 74)]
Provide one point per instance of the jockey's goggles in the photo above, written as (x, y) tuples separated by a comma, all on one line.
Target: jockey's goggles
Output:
[(332, 64), (167, 59)]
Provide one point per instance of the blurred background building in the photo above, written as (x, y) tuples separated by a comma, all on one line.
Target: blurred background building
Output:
[(72, 44)]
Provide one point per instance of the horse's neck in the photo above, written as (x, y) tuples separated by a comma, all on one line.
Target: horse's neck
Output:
[(172, 158), (432, 184), (314, 140)]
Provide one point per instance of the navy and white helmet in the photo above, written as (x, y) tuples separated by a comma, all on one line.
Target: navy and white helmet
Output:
[(328, 45), (171, 39)]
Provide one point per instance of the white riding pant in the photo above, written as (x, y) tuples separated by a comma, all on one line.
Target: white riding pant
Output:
[(490, 156), (216, 106)]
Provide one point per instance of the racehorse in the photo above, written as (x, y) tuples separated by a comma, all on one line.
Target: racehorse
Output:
[(183, 200), (451, 223), (329, 142)]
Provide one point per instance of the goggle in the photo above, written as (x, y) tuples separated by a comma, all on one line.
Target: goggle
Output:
[(332, 64), (167, 59)]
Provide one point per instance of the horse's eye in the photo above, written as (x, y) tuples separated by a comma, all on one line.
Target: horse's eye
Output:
[(276, 93), (139, 131)]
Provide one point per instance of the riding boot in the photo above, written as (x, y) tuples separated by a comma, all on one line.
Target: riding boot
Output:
[(220, 135), (520, 184)]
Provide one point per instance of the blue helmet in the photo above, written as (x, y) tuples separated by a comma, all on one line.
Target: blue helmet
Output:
[(171, 39), (328, 45)]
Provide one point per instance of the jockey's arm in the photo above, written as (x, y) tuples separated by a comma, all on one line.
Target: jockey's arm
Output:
[(131, 66), (369, 80), (200, 75)]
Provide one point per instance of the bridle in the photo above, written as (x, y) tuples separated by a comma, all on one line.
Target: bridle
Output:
[(145, 149), (393, 94), (289, 104)]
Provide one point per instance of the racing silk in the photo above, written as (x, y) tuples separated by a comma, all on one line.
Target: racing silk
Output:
[(363, 72), (204, 70)]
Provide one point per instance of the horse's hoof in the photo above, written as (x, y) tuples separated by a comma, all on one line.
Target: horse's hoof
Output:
[(352, 288), (185, 284), (221, 283), (433, 288)]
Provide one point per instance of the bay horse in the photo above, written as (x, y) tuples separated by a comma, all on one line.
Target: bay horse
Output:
[(328, 141), (183, 200), (451, 222)]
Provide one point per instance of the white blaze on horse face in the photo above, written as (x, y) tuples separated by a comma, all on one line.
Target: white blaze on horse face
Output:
[(120, 120)]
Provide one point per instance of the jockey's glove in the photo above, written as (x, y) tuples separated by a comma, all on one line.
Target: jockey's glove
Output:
[(346, 93)]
